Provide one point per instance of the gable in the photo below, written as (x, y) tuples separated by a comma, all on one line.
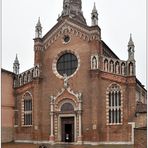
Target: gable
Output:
[(68, 26)]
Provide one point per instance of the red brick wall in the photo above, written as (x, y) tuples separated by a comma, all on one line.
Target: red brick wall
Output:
[(140, 138), (7, 106), (92, 84)]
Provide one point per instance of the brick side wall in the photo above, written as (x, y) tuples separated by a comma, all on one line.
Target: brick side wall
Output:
[(7, 106), (7, 134), (141, 120), (140, 138)]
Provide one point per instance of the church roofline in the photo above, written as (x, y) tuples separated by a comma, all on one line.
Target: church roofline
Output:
[(89, 28), (138, 82), (7, 71), (110, 49)]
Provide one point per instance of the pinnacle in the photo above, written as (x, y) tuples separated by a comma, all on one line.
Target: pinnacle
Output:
[(16, 59), (130, 43), (94, 9), (38, 23)]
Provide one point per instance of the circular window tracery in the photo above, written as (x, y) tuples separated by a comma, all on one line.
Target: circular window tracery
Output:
[(67, 64)]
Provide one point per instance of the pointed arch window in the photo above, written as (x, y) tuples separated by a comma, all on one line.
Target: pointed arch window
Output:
[(27, 110), (114, 108)]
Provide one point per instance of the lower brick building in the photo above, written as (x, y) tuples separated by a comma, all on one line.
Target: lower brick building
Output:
[(78, 90)]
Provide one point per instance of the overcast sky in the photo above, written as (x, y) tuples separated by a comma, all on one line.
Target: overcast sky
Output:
[(117, 19)]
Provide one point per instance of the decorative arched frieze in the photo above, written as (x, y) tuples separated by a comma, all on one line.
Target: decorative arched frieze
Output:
[(115, 66), (71, 29), (27, 76)]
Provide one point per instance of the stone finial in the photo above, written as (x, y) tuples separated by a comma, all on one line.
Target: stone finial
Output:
[(130, 43), (16, 65), (94, 16), (38, 29), (94, 9), (131, 47)]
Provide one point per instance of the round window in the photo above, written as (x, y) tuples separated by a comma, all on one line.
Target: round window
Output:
[(67, 64), (66, 38)]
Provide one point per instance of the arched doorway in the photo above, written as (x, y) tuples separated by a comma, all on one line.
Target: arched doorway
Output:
[(66, 119)]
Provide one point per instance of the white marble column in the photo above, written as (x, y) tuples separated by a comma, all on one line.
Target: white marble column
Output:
[(80, 122), (51, 121)]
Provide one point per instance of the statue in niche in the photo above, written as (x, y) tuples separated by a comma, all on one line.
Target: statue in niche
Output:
[(25, 78), (122, 69), (106, 66), (111, 67), (117, 68), (36, 72), (131, 69), (94, 63), (65, 80), (52, 99), (29, 77), (80, 96)]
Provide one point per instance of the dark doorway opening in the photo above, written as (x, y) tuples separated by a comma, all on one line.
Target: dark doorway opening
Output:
[(67, 129)]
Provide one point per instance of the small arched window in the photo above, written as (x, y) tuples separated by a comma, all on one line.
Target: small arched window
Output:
[(67, 107)]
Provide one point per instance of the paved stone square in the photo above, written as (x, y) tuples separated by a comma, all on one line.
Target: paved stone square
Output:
[(14, 145)]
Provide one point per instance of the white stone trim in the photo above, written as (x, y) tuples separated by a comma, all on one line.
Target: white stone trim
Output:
[(76, 143), (107, 104), (108, 143), (133, 135), (22, 109)]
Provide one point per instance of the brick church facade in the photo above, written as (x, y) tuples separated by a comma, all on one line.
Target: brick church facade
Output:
[(78, 90)]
